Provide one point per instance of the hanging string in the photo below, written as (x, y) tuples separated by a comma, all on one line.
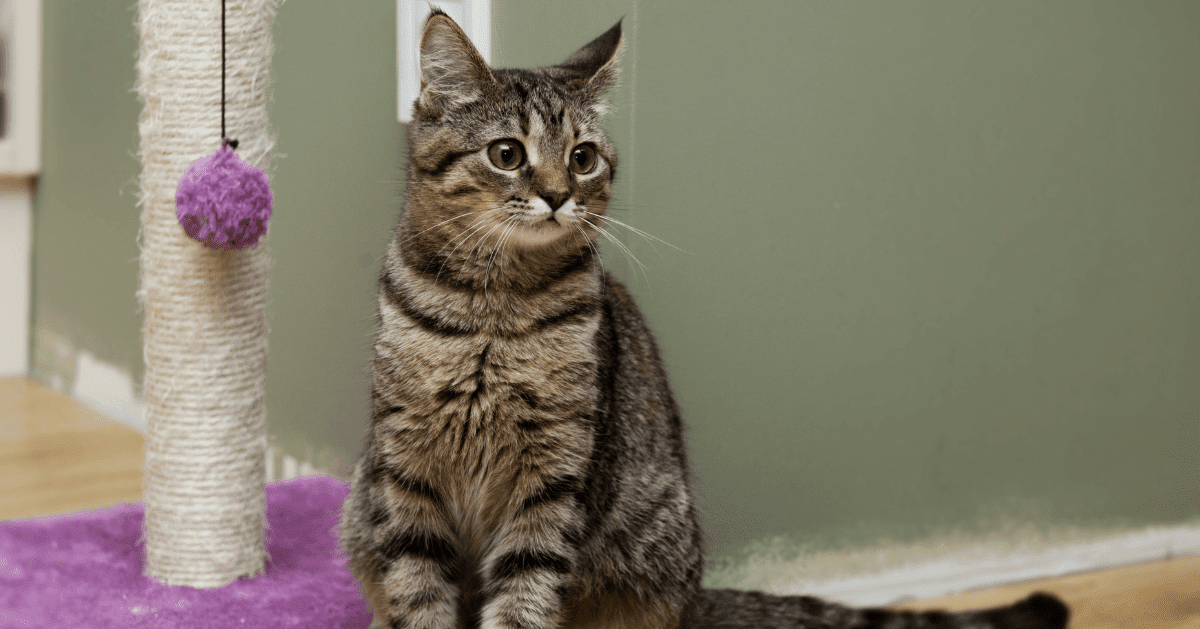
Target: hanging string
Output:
[(222, 201), (232, 143)]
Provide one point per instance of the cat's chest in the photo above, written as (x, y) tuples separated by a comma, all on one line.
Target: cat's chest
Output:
[(487, 386), (479, 409)]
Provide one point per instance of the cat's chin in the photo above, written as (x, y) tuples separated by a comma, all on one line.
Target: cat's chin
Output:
[(541, 233)]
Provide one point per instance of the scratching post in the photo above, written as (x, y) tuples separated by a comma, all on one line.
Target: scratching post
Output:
[(205, 327), (205, 344)]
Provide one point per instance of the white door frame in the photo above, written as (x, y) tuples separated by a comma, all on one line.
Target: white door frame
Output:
[(20, 81)]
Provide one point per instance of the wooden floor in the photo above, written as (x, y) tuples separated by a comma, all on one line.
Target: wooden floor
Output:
[(57, 455)]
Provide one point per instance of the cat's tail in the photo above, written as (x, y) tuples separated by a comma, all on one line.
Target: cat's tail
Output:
[(732, 609)]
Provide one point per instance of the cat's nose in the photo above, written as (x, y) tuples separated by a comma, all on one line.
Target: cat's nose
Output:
[(554, 198)]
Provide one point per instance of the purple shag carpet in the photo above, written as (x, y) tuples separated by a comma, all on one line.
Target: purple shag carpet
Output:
[(85, 570)]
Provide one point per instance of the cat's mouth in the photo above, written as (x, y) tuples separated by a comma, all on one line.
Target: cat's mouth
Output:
[(543, 228), (540, 214), (539, 224), (540, 210)]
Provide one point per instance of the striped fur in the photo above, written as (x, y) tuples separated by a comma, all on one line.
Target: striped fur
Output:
[(525, 466)]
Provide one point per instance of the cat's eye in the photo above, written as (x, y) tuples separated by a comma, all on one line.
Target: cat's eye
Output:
[(506, 154), (583, 159)]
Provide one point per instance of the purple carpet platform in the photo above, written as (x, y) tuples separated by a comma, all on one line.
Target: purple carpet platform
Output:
[(84, 571)]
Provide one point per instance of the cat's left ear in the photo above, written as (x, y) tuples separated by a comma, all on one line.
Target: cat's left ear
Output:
[(596, 65), (452, 71)]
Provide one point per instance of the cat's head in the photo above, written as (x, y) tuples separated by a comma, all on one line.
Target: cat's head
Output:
[(512, 155)]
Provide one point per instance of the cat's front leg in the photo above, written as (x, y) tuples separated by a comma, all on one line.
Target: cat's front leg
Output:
[(416, 587), (533, 557), (402, 549)]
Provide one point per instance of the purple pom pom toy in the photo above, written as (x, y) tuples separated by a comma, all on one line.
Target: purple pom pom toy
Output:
[(222, 201)]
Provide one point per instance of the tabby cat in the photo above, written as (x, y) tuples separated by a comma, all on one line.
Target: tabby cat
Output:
[(525, 464)]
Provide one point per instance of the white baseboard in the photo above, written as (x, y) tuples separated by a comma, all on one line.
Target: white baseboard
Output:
[(111, 390), (108, 389), (980, 567), (282, 466)]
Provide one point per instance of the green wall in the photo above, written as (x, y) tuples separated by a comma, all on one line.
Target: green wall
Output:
[(85, 254), (338, 191), (943, 270)]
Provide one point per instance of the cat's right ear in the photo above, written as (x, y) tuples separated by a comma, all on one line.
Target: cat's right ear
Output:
[(452, 71)]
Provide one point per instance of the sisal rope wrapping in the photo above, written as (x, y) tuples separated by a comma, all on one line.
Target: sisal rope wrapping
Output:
[(205, 327)]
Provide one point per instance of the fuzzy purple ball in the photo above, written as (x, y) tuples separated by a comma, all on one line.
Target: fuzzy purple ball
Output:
[(223, 202)]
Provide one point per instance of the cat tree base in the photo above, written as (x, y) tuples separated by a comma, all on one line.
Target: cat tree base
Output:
[(85, 570)]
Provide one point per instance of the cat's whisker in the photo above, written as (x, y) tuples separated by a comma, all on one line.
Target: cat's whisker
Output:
[(621, 245), (629, 253), (499, 245), (592, 246), (474, 255), (638, 232), (613, 220), (466, 235), (444, 222), (478, 249), (502, 225), (504, 240), (443, 248)]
